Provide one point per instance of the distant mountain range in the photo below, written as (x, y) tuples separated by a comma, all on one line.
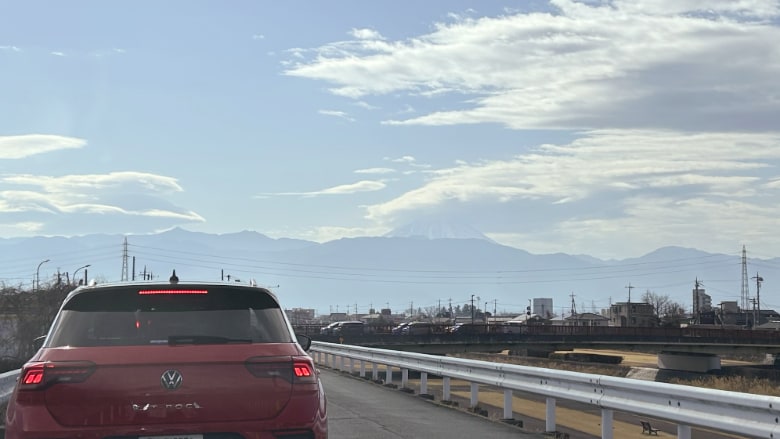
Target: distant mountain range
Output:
[(421, 266)]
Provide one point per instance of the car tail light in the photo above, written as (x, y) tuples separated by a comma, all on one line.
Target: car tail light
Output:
[(177, 291), (297, 370), (39, 375)]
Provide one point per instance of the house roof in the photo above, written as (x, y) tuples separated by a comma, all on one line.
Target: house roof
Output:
[(586, 316)]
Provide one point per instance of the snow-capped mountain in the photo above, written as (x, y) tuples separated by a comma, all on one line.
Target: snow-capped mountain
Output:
[(437, 230)]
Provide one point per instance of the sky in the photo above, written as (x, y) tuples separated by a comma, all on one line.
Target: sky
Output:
[(607, 128)]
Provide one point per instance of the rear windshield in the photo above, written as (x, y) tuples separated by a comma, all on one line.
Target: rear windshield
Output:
[(137, 316)]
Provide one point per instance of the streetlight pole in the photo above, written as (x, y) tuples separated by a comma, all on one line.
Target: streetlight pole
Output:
[(37, 275), (77, 270), (485, 313), (472, 309)]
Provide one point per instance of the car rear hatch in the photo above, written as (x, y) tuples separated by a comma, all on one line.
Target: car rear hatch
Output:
[(165, 358), (162, 384)]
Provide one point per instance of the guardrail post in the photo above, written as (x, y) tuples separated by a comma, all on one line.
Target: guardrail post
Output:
[(550, 415), (374, 372), (362, 369), (341, 363), (388, 374), (474, 395), (445, 389), (683, 431), (606, 423), (351, 365), (508, 412), (404, 378), (423, 383)]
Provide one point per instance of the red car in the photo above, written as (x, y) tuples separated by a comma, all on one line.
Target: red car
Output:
[(169, 361)]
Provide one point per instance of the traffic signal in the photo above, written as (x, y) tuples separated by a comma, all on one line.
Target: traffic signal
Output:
[(528, 310)]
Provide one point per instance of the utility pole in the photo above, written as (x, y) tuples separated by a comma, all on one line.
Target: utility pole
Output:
[(745, 296), (472, 309), (628, 308), (696, 302), (573, 305), (758, 279), (753, 301)]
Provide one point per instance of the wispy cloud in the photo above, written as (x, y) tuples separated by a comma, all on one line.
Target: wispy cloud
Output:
[(662, 64), (366, 34), (57, 53), (10, 48), (337, 113), (405, 159), (81, 184), (409, 161), (258, 37), (89, 202), (345, 189), (616, 182), (19, 147), (108, 52), (376, 171), (366, 105)]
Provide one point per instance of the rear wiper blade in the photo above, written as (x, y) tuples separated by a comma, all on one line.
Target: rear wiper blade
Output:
[(204, 339)]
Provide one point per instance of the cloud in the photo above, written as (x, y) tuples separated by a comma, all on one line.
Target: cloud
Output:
[(375, 171), (19, 147), (10, 48), (366, 105), (336, 113), (57, 53), (94, 203), (607, 180), (345, 189), (90, 183), (114, 51), (258, 37), (366, 34), (596, 65), (331, 233), (404, 159)]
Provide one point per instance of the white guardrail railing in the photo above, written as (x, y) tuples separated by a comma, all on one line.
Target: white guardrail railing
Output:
[(729, 412), (7, 383), (687, 406)]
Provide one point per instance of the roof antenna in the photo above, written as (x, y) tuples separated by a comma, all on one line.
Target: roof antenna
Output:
[(174, 279)]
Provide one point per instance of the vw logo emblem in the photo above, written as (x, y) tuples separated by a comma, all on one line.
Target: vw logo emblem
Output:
[(171, 379)]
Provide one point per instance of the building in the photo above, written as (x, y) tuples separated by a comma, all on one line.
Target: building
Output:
[(543, 307), (702, 302), (301, 316), (633, 314), (586, 319)]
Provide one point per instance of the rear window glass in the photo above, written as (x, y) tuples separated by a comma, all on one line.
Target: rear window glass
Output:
[(124, 316)]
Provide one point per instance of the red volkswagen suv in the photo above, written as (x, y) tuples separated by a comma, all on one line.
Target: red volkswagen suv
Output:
[(169, 361)]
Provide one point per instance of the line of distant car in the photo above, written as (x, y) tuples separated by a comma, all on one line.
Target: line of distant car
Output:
[(356, 327)]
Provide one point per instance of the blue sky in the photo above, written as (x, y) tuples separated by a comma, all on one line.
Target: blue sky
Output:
[(609, 128)]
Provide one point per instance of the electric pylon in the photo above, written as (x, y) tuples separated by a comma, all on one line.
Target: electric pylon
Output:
[(745, 296), (124, 261)]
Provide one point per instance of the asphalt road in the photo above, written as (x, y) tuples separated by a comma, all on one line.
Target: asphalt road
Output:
[(357, 410)]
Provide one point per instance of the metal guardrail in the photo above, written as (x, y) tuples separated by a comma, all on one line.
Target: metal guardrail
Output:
[(687, 406), (730, 412), (7, 383)]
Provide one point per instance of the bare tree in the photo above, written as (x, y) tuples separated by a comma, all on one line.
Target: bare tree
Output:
[(673, 314), (27, 315), (659, 301)]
